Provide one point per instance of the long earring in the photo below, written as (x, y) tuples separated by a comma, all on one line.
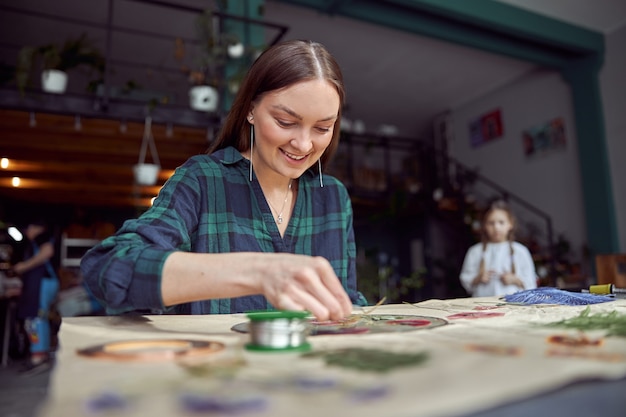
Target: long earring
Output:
[(251, 148), (319, 167)]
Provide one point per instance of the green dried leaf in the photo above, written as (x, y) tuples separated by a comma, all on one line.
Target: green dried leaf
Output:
[(372, 360), (612, 322)]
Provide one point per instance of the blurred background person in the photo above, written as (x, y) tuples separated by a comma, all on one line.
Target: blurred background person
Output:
[(39, 289)]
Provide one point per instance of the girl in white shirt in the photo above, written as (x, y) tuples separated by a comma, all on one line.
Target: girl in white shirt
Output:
[(498, 265)]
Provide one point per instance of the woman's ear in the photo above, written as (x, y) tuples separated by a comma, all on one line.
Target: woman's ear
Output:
[(250, 116)]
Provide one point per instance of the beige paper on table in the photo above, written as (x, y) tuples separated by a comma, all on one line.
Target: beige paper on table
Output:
[(473, 364)]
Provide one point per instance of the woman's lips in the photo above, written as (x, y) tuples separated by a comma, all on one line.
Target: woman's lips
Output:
[(293, 158)]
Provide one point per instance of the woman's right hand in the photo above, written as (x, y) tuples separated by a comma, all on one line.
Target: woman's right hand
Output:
[(299, 282), (288, 281)]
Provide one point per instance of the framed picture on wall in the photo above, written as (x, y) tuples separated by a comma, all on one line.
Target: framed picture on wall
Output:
[(486, 128), (547, 137)]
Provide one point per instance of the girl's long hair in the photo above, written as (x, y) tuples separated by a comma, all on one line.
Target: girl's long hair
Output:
[(280, 66)]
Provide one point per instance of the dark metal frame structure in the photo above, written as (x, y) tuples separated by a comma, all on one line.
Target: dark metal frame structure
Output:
[(105, 106)]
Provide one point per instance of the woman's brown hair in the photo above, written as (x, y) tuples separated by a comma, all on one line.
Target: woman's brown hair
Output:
[(280, 66)]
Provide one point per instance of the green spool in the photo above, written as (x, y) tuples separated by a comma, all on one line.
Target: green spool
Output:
[(278, 331)]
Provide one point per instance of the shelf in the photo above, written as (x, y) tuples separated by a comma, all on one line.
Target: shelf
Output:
[(93, 106), (73, 249)]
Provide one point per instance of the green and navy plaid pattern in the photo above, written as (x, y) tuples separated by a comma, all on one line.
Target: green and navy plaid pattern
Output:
[(209, 205)]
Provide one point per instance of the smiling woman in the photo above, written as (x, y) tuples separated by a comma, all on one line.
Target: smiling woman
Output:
[(213, 242), (290, 135)]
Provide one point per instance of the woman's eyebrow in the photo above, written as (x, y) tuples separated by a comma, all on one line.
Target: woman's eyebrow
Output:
[(288, 111), (297, 116), (329, 118)]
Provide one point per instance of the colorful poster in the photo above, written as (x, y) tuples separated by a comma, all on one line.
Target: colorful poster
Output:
[(486, 128), (544, 138)]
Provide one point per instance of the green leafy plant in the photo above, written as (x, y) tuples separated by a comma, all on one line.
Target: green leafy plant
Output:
[(73, 53), (212, 64), (376, 282), (208, 66), (613, 322), (369, 360)]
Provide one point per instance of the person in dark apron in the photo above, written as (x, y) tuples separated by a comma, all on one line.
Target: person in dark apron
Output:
[(39, 289)]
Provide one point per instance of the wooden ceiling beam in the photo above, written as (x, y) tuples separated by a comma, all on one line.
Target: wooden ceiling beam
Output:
[(25, 168), (75, 199), (94, 165), (41, 184)]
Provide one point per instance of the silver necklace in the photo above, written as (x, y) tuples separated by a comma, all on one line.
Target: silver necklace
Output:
[(279, 218)]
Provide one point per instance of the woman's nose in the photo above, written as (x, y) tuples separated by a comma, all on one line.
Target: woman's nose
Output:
[(302, 142)]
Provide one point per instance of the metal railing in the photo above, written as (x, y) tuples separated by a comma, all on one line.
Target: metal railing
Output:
[(104, 104), (373, 166)]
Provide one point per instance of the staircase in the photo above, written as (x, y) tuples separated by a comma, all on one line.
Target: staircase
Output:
[(416, 211)]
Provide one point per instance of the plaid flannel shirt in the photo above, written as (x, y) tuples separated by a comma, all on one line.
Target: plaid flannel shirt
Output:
[(209, 205)]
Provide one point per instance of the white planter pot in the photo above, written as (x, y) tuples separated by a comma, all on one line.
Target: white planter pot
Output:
[(146, 174), (54, 81), (236, 50), (203, 98)]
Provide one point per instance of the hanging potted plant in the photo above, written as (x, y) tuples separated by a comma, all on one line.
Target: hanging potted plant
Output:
[(56, 61), (245, 56), (208, 74), (147, 173), (203, 96)]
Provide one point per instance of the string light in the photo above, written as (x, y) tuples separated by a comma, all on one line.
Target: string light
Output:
[(15, 233), (4, 163), (15, 181)]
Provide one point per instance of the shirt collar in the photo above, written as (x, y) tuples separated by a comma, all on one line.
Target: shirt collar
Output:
[(229, 155)]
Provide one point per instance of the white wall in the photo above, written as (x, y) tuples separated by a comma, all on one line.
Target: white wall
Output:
[(613, 85), (551, 181)]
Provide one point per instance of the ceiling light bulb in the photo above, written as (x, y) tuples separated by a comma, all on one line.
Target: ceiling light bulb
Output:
[(15, 181), (15, 233), (4, 163)]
